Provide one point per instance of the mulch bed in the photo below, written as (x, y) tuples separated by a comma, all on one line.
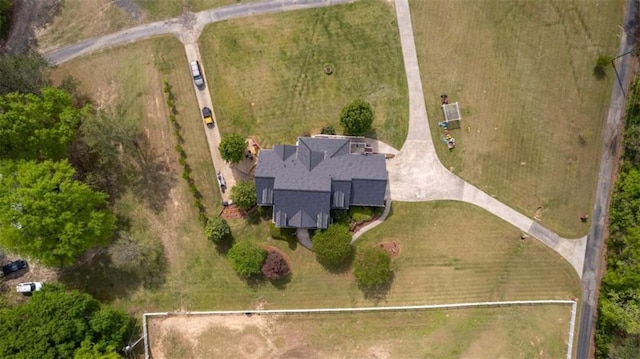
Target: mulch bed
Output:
[(232, 212), (390, 247), (354, 227)]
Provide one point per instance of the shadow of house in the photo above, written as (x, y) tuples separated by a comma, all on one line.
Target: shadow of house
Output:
[(303, 183)]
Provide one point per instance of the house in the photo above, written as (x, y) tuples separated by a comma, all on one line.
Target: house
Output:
[(304, 182)]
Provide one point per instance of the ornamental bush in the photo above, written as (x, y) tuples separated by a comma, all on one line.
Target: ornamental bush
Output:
[(333, 246), (246, 258)]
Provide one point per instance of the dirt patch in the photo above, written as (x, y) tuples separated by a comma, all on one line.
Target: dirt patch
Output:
[(538, 214), (392, 247), (29, 15)]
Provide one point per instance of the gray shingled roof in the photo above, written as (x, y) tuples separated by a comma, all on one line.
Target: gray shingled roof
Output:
[(298, 180), (317, 161)]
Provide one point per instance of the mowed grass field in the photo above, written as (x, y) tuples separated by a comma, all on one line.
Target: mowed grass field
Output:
[(533, 111), (266, 73), (506, 332)]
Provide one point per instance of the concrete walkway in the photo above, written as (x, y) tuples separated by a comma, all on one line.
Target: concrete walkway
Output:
[(416, 173)]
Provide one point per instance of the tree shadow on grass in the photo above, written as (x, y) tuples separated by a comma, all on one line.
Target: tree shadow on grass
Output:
[(378, 293), (154, 178), (281, 283), (599, 72), (138, 265), (225, 245)]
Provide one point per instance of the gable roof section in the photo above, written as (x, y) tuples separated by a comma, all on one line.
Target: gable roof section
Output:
[(316, 163)]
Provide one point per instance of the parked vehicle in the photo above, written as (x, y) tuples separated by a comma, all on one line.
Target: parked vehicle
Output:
[(196, 73), (14, 266), (207, 115), (221, 180), (29, 287)]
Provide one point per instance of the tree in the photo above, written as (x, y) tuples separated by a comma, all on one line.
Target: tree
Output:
[(106, 147), (602, 61), (356, 118), (328, 130), (232, 148), (26, 73), (275, 266), (36, 127), (56, 323), (333, 246), (243, 194), (372, 268), (246, 258), (5, 11), (217, 229), (46, 214)]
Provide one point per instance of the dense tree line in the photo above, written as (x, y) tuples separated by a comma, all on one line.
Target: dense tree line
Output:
[(618, 324), (57, 323)]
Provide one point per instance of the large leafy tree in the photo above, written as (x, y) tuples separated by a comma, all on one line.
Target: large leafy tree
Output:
[(356, 118), (372, 268), (25, 73), (247, 258), (38, 127), (243, 194), (56, 323), (333, 246), (232, 148), (46, 214)]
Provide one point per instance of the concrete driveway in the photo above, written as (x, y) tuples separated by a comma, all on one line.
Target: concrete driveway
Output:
[(416, 173)]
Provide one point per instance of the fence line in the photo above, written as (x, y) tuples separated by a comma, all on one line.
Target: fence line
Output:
[(366, 309), (572, 326)]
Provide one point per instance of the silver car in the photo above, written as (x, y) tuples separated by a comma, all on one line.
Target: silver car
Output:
[(197, 74)]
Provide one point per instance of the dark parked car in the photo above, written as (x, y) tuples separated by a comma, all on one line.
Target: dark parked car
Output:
[(14, 266)]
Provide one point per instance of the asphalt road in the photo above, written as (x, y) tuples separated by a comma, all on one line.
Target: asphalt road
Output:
[(186, 22), (613, 136)]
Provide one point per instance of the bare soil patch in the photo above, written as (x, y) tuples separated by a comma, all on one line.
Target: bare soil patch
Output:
[(28, 16), (392, 247), (515, 332)]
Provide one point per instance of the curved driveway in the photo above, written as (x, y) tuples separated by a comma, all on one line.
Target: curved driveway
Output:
[(416, 173)]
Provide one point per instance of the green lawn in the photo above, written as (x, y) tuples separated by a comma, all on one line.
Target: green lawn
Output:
[(513, 332), (533, 112), (266, 73)]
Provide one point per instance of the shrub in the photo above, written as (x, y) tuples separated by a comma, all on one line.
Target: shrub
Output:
[(372, 268), (275, 266), (328, 130), (361, 214), (243, 194), (246, 258), (356, 118), (333, 246), (217, 230), (285, 234)]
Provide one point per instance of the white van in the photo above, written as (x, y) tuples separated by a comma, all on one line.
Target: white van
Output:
[(29, 287), (197, 74)]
